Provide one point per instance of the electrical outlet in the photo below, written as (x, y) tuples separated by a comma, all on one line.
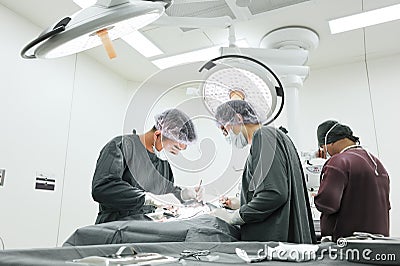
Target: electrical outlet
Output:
[(45, 181), (2, 176)]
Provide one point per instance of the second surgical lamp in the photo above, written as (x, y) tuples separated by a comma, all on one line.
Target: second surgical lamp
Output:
[(98, 24)]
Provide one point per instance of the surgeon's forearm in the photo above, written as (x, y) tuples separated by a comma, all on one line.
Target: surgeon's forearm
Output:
[(120, 196), (262, 206), (327, 203), (330, 192), (177, 193)]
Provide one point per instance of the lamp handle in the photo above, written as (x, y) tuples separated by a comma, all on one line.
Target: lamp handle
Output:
[(59, 27)]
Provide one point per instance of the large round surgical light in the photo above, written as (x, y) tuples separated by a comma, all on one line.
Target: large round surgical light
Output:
[(102, 22), (232, 77)]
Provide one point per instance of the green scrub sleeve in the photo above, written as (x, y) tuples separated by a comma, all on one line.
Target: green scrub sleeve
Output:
[(268, 186), (108, 188)]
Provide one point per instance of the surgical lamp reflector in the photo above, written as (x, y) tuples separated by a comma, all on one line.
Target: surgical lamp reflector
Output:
[(81, 31), (232, 77)]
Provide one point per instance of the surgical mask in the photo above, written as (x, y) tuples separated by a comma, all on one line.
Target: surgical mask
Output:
[(228, 139), (239, 140), (327, 155), (160, 154)]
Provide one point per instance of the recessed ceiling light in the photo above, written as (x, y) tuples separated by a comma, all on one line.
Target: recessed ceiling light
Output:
[(193, 56), (196, 55), (136, 39), (84, 3), (365, 19), (141, 44)]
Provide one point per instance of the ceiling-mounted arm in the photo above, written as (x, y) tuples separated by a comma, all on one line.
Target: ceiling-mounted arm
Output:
[(59, 27), (168, 3), (232, 36), (111, 3)]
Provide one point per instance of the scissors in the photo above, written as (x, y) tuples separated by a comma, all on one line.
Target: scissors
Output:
[(194, 253)]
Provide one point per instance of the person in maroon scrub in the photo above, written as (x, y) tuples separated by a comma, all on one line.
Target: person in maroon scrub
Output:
[(354, 190)]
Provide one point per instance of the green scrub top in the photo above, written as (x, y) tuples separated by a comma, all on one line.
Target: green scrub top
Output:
[(125, 169), (274, 199)]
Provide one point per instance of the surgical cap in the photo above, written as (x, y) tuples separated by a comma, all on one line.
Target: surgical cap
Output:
[(336, 132), (227, 111), (176, 125)]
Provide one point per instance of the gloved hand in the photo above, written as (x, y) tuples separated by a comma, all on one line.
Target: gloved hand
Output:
[(149, 200), (193, 193), (232, 203), (229, 217), (200, 193)]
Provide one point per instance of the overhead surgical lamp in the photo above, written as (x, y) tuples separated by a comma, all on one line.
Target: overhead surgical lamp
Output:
[(98, 24), (238, 77)]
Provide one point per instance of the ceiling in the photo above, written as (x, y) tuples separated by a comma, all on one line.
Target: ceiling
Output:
[(251, 22)]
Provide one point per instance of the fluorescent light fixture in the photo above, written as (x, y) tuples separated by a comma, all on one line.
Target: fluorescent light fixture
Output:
[(136, 39), (194, 56), (365, 19), (242, 43), (84, 3), (141, 44)]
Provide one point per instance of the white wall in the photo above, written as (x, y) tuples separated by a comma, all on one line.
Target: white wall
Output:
[(385, 80), (35, 102), (341, 92), (97, 115), (54, 119)]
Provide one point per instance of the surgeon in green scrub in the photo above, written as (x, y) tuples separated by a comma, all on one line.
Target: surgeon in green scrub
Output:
[(130, 165), (274, 203)]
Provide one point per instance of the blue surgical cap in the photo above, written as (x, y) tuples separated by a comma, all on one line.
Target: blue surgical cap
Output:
[(226, 113), (176, 125)]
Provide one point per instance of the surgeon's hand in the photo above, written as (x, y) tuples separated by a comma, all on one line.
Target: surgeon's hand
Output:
[(229, 217), (149, 200), (193, 194), (232, 203), (200, 193)]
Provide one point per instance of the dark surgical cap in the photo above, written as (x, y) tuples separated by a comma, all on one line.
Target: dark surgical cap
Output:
[(335, 130)]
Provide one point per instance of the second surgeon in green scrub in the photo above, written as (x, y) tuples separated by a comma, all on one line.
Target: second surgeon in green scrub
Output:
[(130, 165), (273, 202)]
